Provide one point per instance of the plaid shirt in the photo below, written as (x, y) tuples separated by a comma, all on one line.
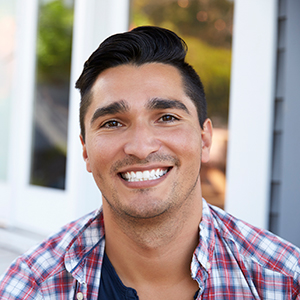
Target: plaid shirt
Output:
[(232, 261)]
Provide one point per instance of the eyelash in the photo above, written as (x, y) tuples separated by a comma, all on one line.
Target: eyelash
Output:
[(108, 124), (115, 123), (172, 117)]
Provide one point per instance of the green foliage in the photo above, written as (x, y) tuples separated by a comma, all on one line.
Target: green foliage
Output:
[(213, 66), (206, 26), (54, 41), (208, 20)]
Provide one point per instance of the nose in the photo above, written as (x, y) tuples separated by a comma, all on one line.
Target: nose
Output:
[(141, 141)]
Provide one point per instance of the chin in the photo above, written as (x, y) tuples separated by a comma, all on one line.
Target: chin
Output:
[(145, 212)]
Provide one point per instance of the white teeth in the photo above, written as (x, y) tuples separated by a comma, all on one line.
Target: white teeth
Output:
[(142, 176)]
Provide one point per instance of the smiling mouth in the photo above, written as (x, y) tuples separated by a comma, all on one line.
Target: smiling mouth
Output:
[(145, 175)]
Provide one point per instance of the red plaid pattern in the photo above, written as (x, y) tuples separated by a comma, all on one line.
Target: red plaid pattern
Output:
[(233, 260)]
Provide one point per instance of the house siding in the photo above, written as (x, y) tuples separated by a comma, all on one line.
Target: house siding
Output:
[(284, 217)]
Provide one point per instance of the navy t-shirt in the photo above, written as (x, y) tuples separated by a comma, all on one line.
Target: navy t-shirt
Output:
[(111, 286)]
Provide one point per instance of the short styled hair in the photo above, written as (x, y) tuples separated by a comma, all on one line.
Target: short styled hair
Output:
[(142, 45)]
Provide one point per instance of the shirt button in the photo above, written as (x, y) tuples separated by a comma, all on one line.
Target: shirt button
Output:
[(208, 265), (79, 296)]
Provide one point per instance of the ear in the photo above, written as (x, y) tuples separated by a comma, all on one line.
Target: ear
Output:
[(85, 154), (206, 136)]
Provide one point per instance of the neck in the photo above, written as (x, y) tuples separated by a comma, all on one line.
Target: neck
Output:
[(157, 250)]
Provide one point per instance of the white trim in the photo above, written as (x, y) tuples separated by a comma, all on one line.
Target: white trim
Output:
[(22, 104), (251, 110)]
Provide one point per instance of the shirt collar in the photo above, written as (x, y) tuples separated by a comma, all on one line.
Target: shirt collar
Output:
[(92, 233), (87, 238), (203, 254)]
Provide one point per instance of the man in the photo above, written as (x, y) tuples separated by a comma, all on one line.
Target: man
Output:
[(144, 134)]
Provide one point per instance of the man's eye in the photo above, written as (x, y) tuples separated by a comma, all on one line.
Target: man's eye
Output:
[(111, 124), (168, 118)]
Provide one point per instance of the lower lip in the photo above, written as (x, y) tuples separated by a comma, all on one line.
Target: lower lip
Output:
[(144, 184)]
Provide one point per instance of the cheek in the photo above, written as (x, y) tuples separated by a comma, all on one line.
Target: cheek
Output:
[(101, 153), (186, 143)]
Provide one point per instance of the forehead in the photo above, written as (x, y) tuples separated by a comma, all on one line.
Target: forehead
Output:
[(137, 86), (154, 79)]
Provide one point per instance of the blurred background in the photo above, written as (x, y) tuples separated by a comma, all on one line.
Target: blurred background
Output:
[(246, 53)]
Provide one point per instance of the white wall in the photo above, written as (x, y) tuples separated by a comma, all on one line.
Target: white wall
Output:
[(251, 110)]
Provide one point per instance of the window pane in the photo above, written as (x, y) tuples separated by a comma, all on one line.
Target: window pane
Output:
[(7, 56), (206, 26), (50, 124)]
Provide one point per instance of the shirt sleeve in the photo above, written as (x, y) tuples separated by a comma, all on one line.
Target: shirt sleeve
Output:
[(19, 283)]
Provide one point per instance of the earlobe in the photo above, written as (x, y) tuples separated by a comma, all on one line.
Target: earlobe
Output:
[(85, 154), (206, 135)]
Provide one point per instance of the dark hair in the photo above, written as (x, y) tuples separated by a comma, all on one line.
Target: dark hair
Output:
[(145, 44)]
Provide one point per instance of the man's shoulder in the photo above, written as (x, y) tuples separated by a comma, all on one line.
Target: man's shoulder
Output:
[(256, 245), (48, 258)]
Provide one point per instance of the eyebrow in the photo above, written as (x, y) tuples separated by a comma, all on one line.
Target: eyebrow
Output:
[(161, 103), (113, 108), (122, 107)]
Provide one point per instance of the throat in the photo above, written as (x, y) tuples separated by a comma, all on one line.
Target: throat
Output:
[(161, 274)]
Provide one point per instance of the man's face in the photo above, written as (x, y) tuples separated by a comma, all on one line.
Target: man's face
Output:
[(143, 140)]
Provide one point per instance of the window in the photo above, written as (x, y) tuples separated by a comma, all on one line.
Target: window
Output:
[(52, 81)]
